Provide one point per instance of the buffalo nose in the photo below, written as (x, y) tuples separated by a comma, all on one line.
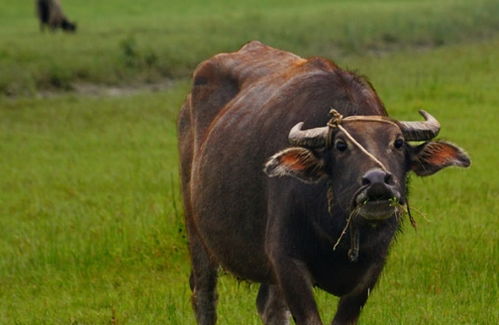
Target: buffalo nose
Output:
[(376, 176)]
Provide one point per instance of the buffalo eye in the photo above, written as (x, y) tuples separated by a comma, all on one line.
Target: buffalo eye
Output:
[(398, 143), (341, 145)]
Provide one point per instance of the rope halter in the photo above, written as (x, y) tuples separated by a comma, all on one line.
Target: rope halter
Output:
[(336, 121)]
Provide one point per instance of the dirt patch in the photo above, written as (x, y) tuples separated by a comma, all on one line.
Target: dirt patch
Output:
[(99, 90)]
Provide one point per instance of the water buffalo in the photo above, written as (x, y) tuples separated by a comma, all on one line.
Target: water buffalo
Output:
[(277, 191), (50, 14)]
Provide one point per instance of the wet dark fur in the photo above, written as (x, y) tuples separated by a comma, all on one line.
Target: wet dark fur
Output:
[(275, 231)]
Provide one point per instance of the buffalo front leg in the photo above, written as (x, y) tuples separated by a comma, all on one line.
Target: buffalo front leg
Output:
[(294, 282), (271, 306), (349, 309), (350, 305), (203, 282)]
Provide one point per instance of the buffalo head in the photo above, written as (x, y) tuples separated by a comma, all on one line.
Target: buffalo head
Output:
[(366, 160)]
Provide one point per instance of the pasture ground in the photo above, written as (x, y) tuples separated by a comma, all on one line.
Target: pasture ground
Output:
[(91, 225)]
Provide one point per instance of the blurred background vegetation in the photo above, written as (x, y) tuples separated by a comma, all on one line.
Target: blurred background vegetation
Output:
[(123, 42)]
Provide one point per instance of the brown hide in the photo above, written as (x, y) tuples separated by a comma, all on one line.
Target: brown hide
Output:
[(279, 230), (238, 114), (228, 76)]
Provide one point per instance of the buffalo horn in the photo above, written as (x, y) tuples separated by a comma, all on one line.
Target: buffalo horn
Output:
[(312, 138), (420, 131)]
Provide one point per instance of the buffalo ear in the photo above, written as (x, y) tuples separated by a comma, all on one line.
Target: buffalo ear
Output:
[(298, 162), (429, 157)]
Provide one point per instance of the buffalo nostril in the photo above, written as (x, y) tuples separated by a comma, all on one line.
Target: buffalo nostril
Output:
[(377, 185), (376, 175), (388, 178)]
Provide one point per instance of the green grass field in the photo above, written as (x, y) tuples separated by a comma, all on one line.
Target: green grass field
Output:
[(91, 227)]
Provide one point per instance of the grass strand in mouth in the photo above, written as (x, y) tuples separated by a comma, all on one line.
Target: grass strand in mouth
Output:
[(343, 232), (403, 209), (400, 210)]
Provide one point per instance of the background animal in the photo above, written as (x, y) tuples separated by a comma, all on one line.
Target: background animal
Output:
[(347, 174), (50, 15)]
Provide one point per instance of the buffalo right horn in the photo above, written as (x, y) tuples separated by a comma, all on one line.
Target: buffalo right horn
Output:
[(312, 138), (420, 131)]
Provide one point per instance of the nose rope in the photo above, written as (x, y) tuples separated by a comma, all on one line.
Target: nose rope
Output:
[(335, 122)]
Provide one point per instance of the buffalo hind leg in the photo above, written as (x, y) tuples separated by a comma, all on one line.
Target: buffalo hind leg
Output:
[(271, 306), (203, 283)]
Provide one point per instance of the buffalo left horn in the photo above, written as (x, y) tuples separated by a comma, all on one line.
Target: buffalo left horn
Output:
[(420, 131), (312, 138)]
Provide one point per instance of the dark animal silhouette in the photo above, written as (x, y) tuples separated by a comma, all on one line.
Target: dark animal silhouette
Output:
[(278, 192), (51, 15)]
